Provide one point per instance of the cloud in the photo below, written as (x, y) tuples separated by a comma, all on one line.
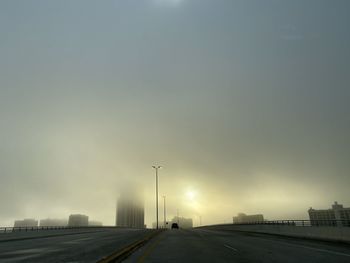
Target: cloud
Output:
[(292, 37), (290, 32), (168, 2)]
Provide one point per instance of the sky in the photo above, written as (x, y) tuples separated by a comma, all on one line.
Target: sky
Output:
[(244, 104)]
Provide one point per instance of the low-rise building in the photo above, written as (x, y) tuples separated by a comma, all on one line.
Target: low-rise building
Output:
[(28, 222), (182, 222), (335, 216), (95, 223), (242, 218), (49, 222), (78, 220), (161, 225)]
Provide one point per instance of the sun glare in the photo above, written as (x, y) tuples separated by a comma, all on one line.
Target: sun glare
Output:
[(191, 195)]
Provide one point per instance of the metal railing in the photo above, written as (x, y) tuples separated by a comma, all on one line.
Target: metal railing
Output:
[(300, 223), (43, 228)]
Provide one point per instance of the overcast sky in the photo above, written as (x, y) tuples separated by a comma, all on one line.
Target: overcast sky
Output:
[(244, 103)]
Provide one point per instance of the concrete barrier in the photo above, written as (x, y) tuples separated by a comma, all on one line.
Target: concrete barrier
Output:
[(340, 234), (23, 235)]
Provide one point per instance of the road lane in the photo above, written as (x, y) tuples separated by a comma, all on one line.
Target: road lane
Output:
[(201, 245), (84, 247), (15, 236)]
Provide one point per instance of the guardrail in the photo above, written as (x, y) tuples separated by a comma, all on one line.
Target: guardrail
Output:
[(300, 223), (330, 230), (41, 228)]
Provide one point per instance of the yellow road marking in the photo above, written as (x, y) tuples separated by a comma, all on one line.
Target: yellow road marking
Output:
[(127, 250), (149, 250)]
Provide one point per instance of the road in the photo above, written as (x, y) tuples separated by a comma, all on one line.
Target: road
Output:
[(65, 246), (200, 245)]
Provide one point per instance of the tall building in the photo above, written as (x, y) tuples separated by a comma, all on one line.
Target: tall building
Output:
[(243, 218), (335, 216), (130, 211), (78, 220), (28, 222)]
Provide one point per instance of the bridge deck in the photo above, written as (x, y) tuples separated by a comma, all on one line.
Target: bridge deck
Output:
[(200, 245)]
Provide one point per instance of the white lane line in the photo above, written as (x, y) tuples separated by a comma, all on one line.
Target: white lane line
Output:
[(231, 248), (77, 241)]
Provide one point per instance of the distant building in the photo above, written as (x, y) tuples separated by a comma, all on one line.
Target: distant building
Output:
[(78, 220), (335, 216), (95, 223), (53, 222), (28, 222), (243, 218), (182, 222), (161, 224), (130, 211)]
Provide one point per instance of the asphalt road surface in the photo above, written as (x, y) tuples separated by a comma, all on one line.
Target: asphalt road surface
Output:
[(200, 245), (65, 246)]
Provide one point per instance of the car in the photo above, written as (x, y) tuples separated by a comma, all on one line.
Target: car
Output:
[(174, 226)]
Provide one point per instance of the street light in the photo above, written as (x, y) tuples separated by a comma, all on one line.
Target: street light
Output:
[(156, 168), (177, 212), (164, 212)]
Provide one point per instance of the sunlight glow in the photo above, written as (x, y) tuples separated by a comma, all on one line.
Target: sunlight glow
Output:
[(191, 195)]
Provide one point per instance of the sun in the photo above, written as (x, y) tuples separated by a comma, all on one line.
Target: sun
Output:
[(191, 195)]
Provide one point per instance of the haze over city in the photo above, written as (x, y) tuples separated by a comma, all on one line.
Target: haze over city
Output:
[(244, 104)]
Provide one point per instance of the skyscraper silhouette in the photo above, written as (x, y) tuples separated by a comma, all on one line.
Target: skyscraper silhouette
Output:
[(130, 210)]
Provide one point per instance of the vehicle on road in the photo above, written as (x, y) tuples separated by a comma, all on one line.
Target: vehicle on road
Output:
[(174, 226)]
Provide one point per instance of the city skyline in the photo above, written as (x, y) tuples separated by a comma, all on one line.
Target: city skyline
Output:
[(245, 104)]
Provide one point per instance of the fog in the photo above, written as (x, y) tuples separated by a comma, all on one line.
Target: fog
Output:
[(244, 104)]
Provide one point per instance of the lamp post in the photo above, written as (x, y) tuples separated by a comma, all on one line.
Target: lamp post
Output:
[(177, 213), (156, 168), (164, 212)]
